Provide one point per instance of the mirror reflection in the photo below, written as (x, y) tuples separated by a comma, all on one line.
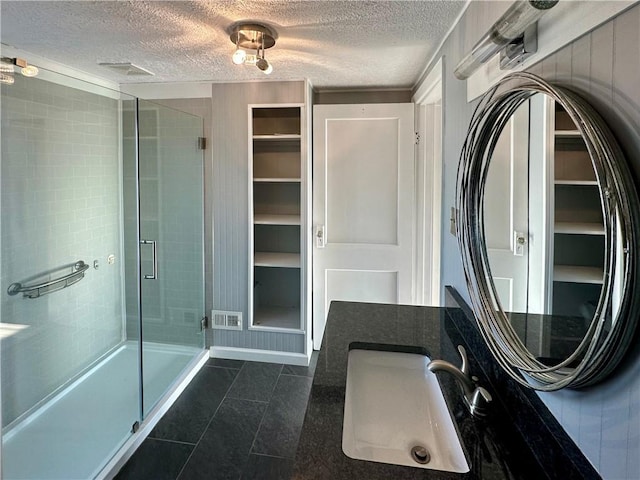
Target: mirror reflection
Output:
[(544, 230)]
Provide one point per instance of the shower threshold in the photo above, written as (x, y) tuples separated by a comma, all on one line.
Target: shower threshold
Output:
[(79, 431)]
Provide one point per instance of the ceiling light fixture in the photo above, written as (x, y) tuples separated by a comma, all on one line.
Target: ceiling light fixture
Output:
[(29, 71), (250, 37), (7, 69)]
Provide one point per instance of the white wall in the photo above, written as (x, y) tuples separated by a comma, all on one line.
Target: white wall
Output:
[(604, 66)]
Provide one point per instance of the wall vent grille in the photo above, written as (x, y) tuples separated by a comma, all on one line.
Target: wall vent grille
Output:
[(226, 320)]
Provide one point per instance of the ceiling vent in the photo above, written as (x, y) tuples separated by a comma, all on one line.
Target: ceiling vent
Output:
[(128, 69)]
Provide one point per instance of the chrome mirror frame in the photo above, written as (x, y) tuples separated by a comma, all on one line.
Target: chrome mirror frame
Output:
[(603, 345)]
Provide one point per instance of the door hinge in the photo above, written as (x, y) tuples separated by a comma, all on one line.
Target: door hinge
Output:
[(204, 323), (417, 138), (135, 427), (202, 143)]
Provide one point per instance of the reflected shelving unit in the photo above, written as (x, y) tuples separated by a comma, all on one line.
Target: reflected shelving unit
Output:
[(276, 156), (578, 241)]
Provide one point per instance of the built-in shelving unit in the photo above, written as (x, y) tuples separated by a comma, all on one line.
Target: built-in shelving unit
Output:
[(276, 194), (579, 241)]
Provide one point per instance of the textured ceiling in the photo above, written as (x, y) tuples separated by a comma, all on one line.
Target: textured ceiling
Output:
[(333, 43)]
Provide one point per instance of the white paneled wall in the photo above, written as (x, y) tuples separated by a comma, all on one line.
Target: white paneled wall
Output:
[(60, 204), (604, 66), (230, 145)]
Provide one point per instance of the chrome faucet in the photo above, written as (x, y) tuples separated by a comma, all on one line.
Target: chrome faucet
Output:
[(476, 398)]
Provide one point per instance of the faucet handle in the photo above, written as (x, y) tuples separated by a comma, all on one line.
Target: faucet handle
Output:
[(465, 361), (480, 401)]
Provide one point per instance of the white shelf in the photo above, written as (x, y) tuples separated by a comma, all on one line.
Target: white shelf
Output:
[(575, 274), (273, 259), (568, 133), (277, 317), (276, 137), (579, 228), (276, 180), (269, 219), (577, 182)]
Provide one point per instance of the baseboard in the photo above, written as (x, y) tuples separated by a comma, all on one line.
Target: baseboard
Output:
[(233, 353)]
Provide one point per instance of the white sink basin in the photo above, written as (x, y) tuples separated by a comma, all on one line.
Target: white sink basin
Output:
[(393, 403)]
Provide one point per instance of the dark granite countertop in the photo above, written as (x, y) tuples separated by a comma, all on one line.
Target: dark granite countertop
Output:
[(492, 447)]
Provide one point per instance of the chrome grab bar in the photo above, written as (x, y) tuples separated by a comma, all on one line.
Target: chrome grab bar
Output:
[(154, 275), (50, 286)]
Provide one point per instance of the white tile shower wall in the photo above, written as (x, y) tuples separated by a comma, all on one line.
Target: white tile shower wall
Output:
[(60, 203)]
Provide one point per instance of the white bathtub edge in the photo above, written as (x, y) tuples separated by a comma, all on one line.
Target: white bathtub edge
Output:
[(131, 445)]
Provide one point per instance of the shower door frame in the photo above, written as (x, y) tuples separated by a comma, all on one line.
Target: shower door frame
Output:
[(149, 421)]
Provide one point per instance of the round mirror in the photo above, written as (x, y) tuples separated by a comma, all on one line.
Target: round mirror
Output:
[(548, 222)]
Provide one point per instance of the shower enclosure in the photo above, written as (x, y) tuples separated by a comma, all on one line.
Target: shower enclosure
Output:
[(102, 272)]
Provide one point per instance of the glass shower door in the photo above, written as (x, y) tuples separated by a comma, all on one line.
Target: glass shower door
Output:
[(171, 202)]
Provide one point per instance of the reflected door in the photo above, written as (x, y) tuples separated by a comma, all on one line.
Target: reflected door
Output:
[(171, 199), (506, 212), (363, 206)]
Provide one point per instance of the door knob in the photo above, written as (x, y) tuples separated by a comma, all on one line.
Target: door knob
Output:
[(320, 236), (520, 241)]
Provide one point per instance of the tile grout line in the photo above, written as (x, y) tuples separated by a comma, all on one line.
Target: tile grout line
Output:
[(255, 437), (226, 396), (267, 404), (209, 423), (294, 375), (226, 368), (179, 442), (271, 456)]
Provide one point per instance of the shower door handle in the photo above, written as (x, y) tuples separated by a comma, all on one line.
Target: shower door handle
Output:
[(154, 275)]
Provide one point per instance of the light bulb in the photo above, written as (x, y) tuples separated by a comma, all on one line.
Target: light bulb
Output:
[(6, 68), (29, 71), (239, 56), (265, 66)]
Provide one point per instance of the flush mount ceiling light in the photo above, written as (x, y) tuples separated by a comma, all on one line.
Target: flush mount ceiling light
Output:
[(249, 37)]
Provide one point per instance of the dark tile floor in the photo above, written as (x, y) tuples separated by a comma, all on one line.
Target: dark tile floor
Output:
[(235, 420)]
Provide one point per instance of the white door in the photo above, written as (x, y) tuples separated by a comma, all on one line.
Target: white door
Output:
[(363, 206), (505, 212)]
